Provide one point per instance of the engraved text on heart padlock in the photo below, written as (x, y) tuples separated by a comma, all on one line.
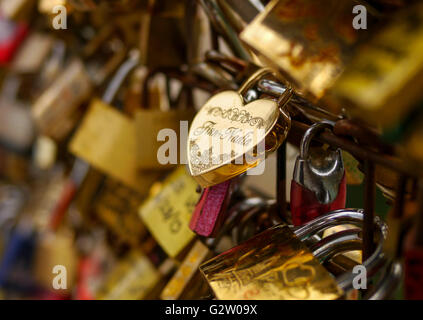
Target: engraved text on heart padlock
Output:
[(226, 131)]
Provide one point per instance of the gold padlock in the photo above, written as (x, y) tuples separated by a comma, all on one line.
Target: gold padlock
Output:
[(227, 137), (385, 77), (57, 110), (149, 124), (308, 41), (56, 249), (168, 212), (131, 279), (273, 265), (117, 207), (113, 135)]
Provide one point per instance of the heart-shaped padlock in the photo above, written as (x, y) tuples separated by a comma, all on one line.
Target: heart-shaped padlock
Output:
[(318, 185), (227, 137)]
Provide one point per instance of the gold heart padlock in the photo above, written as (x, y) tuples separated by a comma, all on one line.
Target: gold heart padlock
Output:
[(228, 137)]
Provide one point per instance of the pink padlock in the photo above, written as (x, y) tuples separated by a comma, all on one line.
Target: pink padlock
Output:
[(211, 210)]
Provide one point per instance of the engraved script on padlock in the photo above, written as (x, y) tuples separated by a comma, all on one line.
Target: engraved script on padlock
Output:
[(225, 131)]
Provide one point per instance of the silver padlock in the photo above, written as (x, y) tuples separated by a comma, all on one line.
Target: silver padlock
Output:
[(319, 184)]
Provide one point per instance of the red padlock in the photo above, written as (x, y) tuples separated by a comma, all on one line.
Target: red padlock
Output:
[(11, 36), (319, 184)]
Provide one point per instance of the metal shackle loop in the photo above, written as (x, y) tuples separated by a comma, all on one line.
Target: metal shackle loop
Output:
[(339, 242), (346, 240), (285, 95), (310, 134), (330, 219), (235, 215), (120, 76), (390, 281), (256, 76)]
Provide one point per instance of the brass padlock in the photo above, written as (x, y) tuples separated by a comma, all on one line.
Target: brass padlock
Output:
[(308, 41), (56, 249), (186, 283), (168, 212), (131, 279), (150, 121), (117, 207), (113, 134), (57, 109), (276, 264), (394, 54), (163, 17)]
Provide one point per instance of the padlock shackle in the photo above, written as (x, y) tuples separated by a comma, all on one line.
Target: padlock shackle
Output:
[(346, 216), (339, 242), (120, 76), (286, 94), (249, 215), (388, 283), (328, 220), (372, 264), (171, 73), (310, 134), (255, 77), (237, 212)]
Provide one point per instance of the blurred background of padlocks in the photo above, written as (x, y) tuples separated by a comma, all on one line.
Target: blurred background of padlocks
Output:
[(88, 212)]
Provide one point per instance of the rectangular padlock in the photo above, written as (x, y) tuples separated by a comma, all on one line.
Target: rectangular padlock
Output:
[(274, 265), (167, 213), (117, 207), (106, 140), (32, 53), (150, 126), (164, 17), (132, 278), (309, 41), (55, 249), (394, 56), (55, 111), (161, 124), (58, 109), (17, 256)]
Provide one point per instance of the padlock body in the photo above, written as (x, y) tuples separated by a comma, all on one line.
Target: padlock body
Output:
[(211, 210), (305, 206)]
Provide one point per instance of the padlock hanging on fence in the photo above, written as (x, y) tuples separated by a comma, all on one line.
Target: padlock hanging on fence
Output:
[(319, 184)]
